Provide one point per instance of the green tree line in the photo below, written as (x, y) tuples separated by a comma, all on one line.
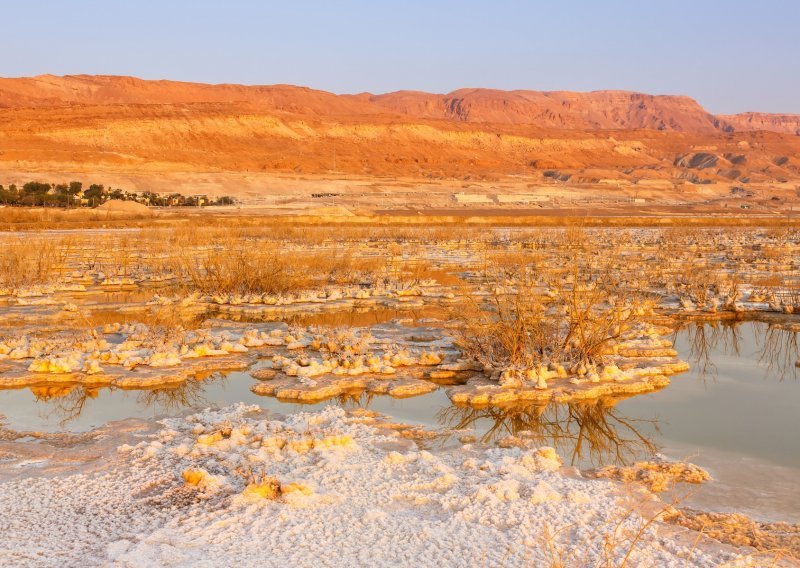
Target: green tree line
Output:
[(73, 194)]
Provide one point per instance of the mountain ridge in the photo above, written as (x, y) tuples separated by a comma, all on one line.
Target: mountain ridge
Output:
[(165, 135), (563, 110)]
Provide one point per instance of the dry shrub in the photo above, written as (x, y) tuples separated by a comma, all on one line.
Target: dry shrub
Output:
[(212, 261), (235, 270), (696, 283), (546, 322), (513, 332), (37, 218), (240, 263), (26, 261)]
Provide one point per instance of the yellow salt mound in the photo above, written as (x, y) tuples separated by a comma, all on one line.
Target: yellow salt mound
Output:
[(267, 488), (194, 476)]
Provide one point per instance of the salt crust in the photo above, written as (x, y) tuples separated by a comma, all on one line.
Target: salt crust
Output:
[(361, 496)]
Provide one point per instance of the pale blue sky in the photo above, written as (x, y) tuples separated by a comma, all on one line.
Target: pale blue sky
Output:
[(731, 55)]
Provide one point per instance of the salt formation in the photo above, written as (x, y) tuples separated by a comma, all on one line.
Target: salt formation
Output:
[(347, 361), (639, 361), (234, 487), (743, 299), (329, 297), (656, 476), (110, 353)]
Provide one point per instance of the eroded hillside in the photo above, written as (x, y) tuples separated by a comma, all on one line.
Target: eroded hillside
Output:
[(150, 129)]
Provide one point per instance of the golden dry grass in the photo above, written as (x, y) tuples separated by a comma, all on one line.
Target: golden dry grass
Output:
[(547, 317), (27, 261), (238, 262), (37, 218)]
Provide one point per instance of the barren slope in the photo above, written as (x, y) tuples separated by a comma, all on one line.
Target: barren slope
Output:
[(148, 131), (49, 90), (560, 109), (789, 123)]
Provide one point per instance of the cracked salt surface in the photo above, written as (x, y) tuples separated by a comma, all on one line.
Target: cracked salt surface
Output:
[(368, 497)]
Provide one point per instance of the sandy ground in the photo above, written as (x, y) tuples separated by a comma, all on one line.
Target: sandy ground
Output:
[(525, 195)]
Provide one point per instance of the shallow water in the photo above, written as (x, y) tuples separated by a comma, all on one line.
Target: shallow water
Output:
[(735, 413)]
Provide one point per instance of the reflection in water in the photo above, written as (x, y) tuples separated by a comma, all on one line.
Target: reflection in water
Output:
[(778, 352), (349, 400), (68, 402), (353, 400), (739, 428), (776, 349), (155, 316), (586, 432), (705, 337), (188, 394)]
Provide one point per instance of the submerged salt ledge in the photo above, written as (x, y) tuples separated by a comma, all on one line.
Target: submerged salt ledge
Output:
[(110, 355), (711, 300), (319, 363), (340, 296), (355, 494), (744, 299), (640, 361)]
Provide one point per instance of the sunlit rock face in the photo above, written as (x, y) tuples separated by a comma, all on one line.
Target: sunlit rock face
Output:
[(233, 139)]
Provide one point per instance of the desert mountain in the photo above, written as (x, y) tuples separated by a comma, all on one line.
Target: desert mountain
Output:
[(763, 121), (597, 110), (166, 135), (51, 91)]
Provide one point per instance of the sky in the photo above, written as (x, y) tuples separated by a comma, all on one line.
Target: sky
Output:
[(732, 56)]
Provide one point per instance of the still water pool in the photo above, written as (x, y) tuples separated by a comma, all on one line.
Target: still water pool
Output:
[(736, 413)]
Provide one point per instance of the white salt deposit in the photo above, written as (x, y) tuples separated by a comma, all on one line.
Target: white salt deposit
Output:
[(352, 494)]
